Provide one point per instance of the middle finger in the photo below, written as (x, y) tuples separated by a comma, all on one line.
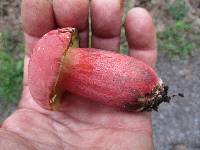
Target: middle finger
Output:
[(73, 13), (106, 17)]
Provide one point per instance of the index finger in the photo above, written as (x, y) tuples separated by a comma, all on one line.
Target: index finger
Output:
[(37, 19)]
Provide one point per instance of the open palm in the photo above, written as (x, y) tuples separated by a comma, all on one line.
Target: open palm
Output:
[(80, 123)]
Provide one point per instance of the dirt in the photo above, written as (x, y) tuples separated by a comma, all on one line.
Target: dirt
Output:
[(9, 14), (176, 125)]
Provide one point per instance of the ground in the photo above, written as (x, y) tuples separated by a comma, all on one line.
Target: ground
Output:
[(176, 125)]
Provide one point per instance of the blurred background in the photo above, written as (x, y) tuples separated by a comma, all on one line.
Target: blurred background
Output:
[(176, 125)]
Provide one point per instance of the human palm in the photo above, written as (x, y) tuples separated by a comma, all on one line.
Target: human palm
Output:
[(80, 123)]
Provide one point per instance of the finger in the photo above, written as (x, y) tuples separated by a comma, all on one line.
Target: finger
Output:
[(106, 17), (73, 13), (141, 35), (37, 17)]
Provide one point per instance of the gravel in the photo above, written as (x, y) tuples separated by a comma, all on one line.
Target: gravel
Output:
[(9, 14), (178, 123)]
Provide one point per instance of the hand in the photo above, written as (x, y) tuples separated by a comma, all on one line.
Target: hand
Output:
[(81, 124)]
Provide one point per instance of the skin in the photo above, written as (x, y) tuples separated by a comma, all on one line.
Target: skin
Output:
[(81, 124)]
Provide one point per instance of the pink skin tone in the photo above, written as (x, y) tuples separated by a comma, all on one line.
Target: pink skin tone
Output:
[(81, 123)]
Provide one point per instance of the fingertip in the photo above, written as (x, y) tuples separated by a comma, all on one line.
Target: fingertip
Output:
[(106, 16), (72, 13), (106, 19), (141, 35), (37, 17), (140, 29)]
